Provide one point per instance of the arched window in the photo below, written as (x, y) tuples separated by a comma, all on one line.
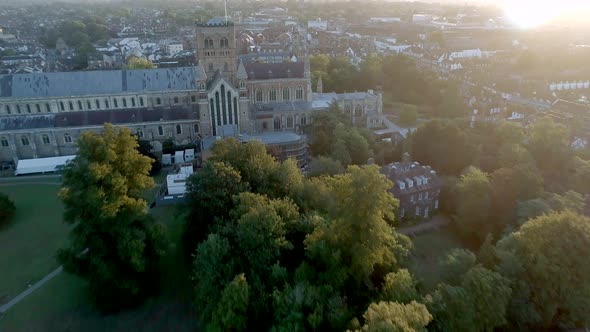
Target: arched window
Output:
[(139, 133), (25, 140), (38, 107), (272, 95), (4, 142), (46, 139), (277, 124), (208, 43), (299, 93), (97, 102), (160, 130), (61, 106), (158, 101), (258, 95), (48, 107), (132, 102), (178, 129), (176, 100), (67, 138), (124, 102), (106, 103), (196, 128), (358, 110), (303, 120), (80, 105), (8, 109), (201, 86), (89, 104), (223, 43), (18, 109), (286, 94), (290, 122), (71, 106), (242, 84), (140, 101), (115, 102), (28, 108)]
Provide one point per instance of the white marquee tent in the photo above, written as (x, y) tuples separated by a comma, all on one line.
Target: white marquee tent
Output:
[(41, 165)]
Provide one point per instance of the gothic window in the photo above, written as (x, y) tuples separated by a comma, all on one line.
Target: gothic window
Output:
[(242, 84), (25, 140), (124, 102), (178, 129), (46, 139), (229, 114), (139, 133), (272, 95), (196, 128), (106, 103), (71, 106), (140, 101), (61, 106), (80, 105), (18, 109), (277, 124), (201, 86), (208, 43), (290, 122), (299, 93), (88, 104), (176, 100), (67, 138), (218, 108), (38, 107), (223, 43), (133, 102), (236, 110), (48, 107), (358, 110), (115, 102), (97, 102), (159, 101), (303, 120), (160, 130), (28, 108), (286, 94), (3, 142), (7, 109), (258, 95)]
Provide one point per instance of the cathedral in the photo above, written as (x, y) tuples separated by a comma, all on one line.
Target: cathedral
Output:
[(43, 114)]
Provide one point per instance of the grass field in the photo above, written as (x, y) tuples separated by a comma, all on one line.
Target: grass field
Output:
[(61, 304), (28, 244), (428, 249)]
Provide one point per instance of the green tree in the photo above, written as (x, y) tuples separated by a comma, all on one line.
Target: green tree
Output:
[(140, 63), (455, 264), (114, 243), (399, 287), (549, 144), (474, 210), (548, 202), (547, 258), (324, 166), (7, 209), (395, 317), (145, 148), (408, 115), (231, 312)]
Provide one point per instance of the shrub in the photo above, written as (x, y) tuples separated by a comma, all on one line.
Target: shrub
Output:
[(7, 209)]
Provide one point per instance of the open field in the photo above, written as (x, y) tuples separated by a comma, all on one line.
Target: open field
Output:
[(61, 304), (428, 249), (29, 243)]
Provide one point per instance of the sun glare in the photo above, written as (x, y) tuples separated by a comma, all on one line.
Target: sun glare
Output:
[(534, 13)]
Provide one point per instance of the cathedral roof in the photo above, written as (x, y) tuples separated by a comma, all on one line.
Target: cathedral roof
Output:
[(101, 82), (262, 71)]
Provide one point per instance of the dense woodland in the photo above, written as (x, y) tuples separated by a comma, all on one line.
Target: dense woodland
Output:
[(272, 249)]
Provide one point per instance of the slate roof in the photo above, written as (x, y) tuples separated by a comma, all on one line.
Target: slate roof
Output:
[(62, 84), (97, 118), (262, 71)]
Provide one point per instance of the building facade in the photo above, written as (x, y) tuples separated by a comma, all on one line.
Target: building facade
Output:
[(417, 187), (43, 114)]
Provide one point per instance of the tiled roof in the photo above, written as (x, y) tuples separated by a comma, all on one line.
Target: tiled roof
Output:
[(263, 71), (102, 82)]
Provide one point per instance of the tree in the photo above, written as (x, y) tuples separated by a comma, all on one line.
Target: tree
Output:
[(399, 287), (455, 264), (7, 209), (231, 312), (145, 148), (210, 195), (140, 63), (549, 144), (324, 166), (408, 115), (474, 210), (548, 202), (114, 243), (547, 257), (395, 317)]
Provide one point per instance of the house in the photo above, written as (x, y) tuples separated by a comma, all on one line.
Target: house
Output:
[(417, 187)]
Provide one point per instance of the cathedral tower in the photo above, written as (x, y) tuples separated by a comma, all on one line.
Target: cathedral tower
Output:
[(216, 48)]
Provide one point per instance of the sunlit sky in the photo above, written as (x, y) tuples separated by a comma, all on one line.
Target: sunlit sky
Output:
[(533, 13)]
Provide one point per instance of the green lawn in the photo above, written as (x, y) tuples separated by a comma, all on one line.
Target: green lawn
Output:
[(29, 243), (428, 249), (61, 304)]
